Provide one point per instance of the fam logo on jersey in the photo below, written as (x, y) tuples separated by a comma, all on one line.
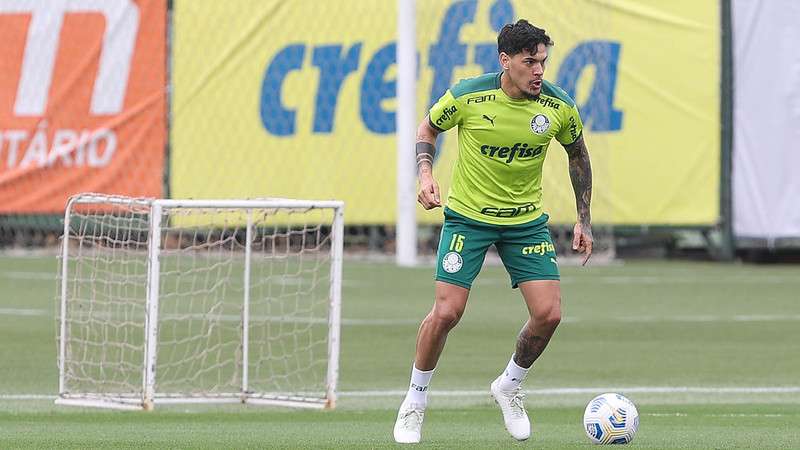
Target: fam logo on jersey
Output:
[(452, 262), (540, 123), (513, 211), (482, 98)]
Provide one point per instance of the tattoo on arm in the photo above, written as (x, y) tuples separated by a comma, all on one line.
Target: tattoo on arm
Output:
[(580, 172), (529, 347), (425, 154)]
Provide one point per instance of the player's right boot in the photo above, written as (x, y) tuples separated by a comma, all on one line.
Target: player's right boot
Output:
[(514, 415), (408, 428)]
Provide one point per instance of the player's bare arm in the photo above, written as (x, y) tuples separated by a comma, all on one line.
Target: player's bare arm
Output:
[(428, 195), (580, 172)]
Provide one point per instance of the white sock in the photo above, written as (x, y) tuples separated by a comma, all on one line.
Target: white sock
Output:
[(512, 377), (418, 389)]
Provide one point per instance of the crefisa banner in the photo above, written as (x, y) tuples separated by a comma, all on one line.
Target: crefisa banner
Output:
[(297, 98), (82, 100)]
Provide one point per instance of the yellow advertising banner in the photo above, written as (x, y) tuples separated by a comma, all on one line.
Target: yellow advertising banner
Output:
[(297, 99)]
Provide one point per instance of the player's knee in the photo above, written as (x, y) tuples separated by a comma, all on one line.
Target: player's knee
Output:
[(553, 319), (444, 316), (551, 316)]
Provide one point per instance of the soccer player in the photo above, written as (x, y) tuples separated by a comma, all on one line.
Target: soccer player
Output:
[(505, 123)]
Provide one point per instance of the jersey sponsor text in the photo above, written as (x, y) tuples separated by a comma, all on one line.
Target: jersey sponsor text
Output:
[(508, 212), (447, 113), (519, 150)]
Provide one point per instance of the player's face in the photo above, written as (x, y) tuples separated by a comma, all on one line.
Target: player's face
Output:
[(526, 70)]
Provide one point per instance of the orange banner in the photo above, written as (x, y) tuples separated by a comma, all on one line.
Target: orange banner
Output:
[(82, 101)]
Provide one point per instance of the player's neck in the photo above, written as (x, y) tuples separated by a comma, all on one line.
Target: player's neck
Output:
[(510, 89)]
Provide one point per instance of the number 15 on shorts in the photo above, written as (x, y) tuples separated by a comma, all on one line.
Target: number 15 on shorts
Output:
[(457, 243)]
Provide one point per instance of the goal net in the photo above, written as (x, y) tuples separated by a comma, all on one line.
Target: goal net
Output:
[(199, 301)]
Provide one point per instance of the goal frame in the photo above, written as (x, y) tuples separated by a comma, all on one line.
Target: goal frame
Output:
[(149, 397)]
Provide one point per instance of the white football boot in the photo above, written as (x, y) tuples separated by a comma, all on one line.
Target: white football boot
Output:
[(514, 415), (408, 428)]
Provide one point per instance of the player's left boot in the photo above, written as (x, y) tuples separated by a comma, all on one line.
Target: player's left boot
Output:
[(408, 428), (514, 415)]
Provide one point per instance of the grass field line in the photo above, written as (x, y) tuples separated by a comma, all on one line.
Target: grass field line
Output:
[(594, 390), (15, 275), (535, 392), (713, 415), (566, 279), (287, 280), (27, 397), (24, 312), (660, 279), (703, 318)]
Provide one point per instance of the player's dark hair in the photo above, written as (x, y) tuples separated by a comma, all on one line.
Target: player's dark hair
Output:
[(520, 36)]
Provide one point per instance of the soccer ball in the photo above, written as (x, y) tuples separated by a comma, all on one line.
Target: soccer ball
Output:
[(610, 419)]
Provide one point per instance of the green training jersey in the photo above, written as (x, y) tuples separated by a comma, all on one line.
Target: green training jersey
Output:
[(502, 143)]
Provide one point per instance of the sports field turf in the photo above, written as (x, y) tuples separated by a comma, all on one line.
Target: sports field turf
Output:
[(710, 353)]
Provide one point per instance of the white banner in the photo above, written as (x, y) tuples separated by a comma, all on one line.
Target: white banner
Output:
[(766, 136)]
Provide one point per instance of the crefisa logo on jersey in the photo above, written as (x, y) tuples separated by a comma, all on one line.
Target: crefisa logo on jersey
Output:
[(547, 102), (447, 113), (540, 123), (452, 262)]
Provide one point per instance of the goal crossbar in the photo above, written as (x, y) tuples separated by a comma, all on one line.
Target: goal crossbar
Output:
[(209, 203)]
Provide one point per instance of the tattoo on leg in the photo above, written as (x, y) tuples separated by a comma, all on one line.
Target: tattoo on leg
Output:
[(529, 347)]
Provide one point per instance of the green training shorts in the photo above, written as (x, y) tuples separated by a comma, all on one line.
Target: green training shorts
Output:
[(526, 249)]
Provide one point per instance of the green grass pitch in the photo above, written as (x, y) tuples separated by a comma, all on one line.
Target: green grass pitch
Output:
[(710, 353)]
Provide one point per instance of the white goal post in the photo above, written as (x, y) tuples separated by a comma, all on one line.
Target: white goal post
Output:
[(199, 301)]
